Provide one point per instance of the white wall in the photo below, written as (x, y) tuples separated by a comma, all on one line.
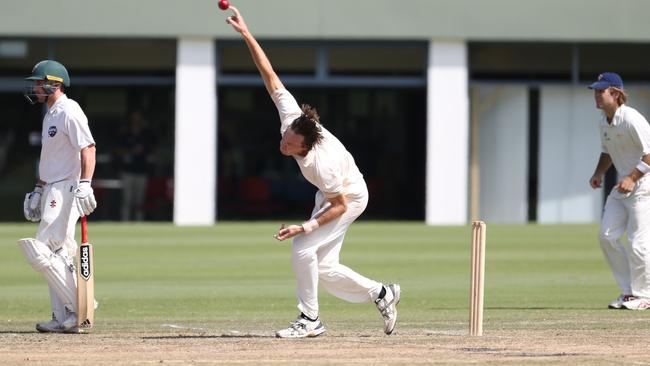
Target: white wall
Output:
[(447, 134), (569, 151), (503, 153), (195, 151), (639, 98)]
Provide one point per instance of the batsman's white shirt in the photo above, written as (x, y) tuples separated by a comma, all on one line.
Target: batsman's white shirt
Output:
[(328, 165), (65, 133), (626, 139)]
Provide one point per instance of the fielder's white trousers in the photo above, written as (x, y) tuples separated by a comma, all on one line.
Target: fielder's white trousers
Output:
[(630, 264), (316, 257)]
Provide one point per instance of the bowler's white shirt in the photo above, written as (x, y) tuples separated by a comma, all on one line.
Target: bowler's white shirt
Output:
[(626, 139), (65, 133), (328, 165)]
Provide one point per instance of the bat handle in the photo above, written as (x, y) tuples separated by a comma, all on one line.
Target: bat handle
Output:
[(84, 230)]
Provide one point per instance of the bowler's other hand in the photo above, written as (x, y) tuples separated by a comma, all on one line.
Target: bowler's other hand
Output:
[(596, 181), (237, 21), (85, 198), (288, 232)]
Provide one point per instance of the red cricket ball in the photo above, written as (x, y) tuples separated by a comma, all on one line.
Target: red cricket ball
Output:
[(224, 4)]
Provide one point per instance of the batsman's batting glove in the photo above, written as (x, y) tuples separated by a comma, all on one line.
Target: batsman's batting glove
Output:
[(32, 204), (85, 198)]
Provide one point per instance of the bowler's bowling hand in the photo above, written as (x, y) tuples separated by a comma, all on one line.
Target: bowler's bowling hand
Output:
[(237, 21)]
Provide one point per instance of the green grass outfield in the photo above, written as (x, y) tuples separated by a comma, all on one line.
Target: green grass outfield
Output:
[(236, 277)]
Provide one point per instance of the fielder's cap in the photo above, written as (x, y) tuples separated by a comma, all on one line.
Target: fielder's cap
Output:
[(606, 80)]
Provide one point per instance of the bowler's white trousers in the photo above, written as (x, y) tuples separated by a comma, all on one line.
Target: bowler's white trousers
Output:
[(630, 264), (316, 257)]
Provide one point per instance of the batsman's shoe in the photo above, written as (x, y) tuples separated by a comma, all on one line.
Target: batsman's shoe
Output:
[(618, 302), (302, 328), (387, 306), (637, 303), (52, 326), (74, 330), (70, 322)]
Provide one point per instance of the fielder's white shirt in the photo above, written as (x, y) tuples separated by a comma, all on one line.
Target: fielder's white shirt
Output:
[(65, 133), (328, 165), (626, 139)]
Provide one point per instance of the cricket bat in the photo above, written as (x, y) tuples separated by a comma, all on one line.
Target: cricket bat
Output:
[(85, 281)]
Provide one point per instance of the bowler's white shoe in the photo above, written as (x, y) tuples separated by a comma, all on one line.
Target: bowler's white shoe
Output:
[(387, 306), (302, 328), (617, 303), (637, 303), (52, 326)]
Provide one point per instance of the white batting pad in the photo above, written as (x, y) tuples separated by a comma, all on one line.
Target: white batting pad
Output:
[(59, 275)]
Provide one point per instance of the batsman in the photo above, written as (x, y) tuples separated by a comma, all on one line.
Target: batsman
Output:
[(62, 192), (342, 196)]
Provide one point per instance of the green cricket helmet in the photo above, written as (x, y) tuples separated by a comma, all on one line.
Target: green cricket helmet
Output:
[(53, 73)]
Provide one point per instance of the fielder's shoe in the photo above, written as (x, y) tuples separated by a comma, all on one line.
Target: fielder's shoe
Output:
[(301, 328), (618, 302), (387, 306), (52, 326), (637, 303)]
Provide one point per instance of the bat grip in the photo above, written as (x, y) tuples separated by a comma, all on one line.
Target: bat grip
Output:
[(84, 230)]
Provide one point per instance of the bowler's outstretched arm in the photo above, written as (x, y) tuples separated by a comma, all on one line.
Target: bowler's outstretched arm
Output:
[(271, 80)]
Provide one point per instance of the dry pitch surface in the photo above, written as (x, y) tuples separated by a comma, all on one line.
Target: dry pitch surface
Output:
[(602, 347)]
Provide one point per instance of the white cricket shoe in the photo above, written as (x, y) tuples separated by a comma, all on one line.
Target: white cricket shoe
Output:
[(637, 303), (387, 306), (302, 328), (52, 326), (618, 302)]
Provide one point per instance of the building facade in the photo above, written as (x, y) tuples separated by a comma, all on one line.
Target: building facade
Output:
[(454, 110)]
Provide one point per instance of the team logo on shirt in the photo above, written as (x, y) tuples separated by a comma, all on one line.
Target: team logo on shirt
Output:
[(51, 131)]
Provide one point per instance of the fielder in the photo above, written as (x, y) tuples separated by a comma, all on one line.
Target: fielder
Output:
[(342, 196), (625, 139), (62, 193)]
